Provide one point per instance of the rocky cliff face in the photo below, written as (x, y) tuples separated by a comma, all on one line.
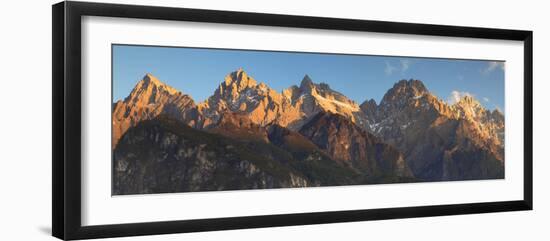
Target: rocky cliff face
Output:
[(350, 145), (310, 99), (164, 155), (241, 93), (489, 125), (429, 132), (150, 98)]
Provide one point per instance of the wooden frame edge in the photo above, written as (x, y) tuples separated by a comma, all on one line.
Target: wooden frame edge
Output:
[(66, 54), (58, 180)]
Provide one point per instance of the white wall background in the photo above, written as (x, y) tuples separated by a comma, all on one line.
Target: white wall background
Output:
[(25, 119)]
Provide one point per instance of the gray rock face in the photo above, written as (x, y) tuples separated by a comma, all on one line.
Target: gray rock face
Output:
[(350, 145), (439, 141)]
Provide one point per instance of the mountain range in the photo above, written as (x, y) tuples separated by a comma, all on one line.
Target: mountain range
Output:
[(246, 135)]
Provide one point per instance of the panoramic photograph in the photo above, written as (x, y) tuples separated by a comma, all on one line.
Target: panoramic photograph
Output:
[(201, 119)]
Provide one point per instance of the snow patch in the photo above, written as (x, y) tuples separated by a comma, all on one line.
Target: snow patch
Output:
[(353, 108)]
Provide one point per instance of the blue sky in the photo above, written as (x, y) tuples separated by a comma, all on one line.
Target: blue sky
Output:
[(198, 72)]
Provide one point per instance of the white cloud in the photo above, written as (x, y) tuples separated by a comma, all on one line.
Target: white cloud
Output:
[(389, 68), (404, 65), (492, 66), (485, 99), (456, 95)]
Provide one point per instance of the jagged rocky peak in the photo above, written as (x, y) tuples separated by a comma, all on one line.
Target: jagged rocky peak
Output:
[(240, 93), (240, 79), (414, 84), (320, 97), (487, 126), (368, 105), (468, 107), (406, 88), (405, 93), (311, 98), (150, 98), (325, 87), (496, 114), (149, 90), (239, 82), (322, 92), (369, 108), (150, 80), (306, 84), (468, 100), (292, 93)]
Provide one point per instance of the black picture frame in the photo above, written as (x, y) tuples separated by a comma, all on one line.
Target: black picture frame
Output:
[(66, 75)]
